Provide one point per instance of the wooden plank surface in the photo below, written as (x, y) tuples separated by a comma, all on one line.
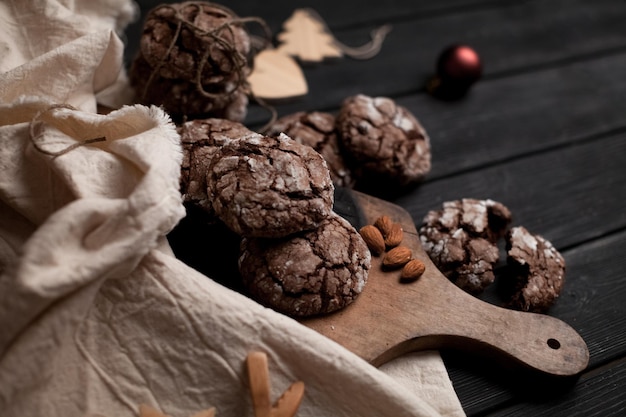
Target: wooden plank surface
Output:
[(544, 132), (569, 194), (514, 38), (523, 114), (599, 393)]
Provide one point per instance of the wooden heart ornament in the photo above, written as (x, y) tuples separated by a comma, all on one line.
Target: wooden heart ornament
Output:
[(276, 76), (391, 318)]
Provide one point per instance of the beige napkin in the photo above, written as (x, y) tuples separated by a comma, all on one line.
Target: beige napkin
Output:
[(96, 314)]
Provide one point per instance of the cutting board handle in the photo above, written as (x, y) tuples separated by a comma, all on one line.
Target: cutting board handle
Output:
[(535, 341)]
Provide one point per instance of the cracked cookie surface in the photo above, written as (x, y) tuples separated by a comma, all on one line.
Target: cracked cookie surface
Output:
[(307, 274), (461, 239), (200, 24), (182, 99), (384, 139), (192, 61), (269, 186), (317, 130), (201, 139), (539, 270)]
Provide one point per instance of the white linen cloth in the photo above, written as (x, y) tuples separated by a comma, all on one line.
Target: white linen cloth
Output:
[(97, 316)]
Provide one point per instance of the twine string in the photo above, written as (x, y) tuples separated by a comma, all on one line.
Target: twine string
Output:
[(371, 48), (33, 136), (235, 58), (271, 109), (366, 51), (160, 64)]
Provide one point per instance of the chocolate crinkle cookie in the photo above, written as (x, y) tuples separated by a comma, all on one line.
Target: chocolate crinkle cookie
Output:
[(539, 270), (201, 139), (317, 130), (193, 61), (461, 240), (182, 99), (385, 140), (310, 273), (269, 186)]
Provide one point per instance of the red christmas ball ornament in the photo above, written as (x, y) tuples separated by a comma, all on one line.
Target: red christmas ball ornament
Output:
[(459, 64), (458, 68)]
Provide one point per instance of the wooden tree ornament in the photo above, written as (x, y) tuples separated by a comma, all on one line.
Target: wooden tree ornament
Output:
[(307, 38), (276, 75)]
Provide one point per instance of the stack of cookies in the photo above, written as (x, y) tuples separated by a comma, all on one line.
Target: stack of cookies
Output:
[(297, 256), (193, 61)]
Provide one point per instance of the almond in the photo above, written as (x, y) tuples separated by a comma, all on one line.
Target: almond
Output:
[(397, 257), (412, 270), (373, 238), (395, 236), (383, 223)]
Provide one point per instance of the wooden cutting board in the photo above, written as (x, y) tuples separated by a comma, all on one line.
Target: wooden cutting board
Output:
[(391, 318)]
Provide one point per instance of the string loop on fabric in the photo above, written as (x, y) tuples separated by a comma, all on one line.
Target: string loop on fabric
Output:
[(37, 144)]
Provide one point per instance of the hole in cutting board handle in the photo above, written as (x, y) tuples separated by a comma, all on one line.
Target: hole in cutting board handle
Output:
[(554, 344)]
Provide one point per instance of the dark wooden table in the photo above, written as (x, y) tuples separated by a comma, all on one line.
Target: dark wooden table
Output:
[(543, 132)]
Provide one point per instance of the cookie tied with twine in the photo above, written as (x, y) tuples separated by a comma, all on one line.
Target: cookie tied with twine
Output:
[(194, 60)]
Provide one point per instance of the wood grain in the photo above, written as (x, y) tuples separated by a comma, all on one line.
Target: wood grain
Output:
[(595, 294), (598, 394), (336, 14), (485, 128), (523, 36), (391, 318), (557, 194)]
